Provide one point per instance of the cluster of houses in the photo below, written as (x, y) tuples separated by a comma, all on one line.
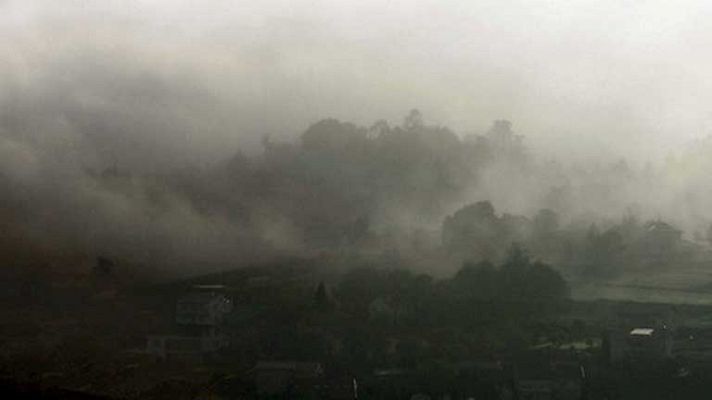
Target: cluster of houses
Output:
[(554, 379), (637, 336), (201, 333), (199, 316)]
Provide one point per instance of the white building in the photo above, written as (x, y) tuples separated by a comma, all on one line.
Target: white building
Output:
[(202, 309)]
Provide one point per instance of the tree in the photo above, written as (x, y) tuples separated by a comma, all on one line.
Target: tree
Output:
[(545, 285), (603, 253), (474, 231), (358, 288), (414, 120), (545, 234), (517, 258), (519, 288), (546, 222), (473, 289)]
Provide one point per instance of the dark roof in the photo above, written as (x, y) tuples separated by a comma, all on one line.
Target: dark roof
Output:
[(300, 368)]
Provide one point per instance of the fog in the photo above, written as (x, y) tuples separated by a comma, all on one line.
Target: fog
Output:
[(160, 93), (611, 74)]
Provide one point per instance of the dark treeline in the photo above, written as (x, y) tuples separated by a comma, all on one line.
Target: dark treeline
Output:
[(585, 250), (480, 310), (478, 294), (418, 191), (415, 193), (340, 183)]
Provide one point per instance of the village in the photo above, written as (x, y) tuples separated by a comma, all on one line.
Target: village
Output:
[(284, 332)]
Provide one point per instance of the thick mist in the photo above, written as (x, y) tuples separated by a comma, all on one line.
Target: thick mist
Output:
[(176, 136)]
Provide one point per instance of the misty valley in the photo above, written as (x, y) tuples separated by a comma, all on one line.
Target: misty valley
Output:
[(384, 262), (356, 199)]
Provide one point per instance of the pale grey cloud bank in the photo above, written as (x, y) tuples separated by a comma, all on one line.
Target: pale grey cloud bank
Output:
[(588, 73), (154, 85)]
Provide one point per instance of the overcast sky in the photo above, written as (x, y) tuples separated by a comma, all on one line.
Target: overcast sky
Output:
[(578, 76)]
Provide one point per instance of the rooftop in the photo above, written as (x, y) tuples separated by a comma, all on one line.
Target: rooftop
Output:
[(642, 332)]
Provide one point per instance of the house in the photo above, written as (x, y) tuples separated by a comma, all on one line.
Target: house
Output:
[(536, 389), (384, 311), (660, 241), (630, 315), (200, 313), (488, 379), (203, 308), (640, 331), (639, 344), (550, 375), (648, 343), (390, 383), (184, 347), (287, 378)]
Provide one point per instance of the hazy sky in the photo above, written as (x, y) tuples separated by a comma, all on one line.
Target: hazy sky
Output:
[(584, 77), (155, 86)]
